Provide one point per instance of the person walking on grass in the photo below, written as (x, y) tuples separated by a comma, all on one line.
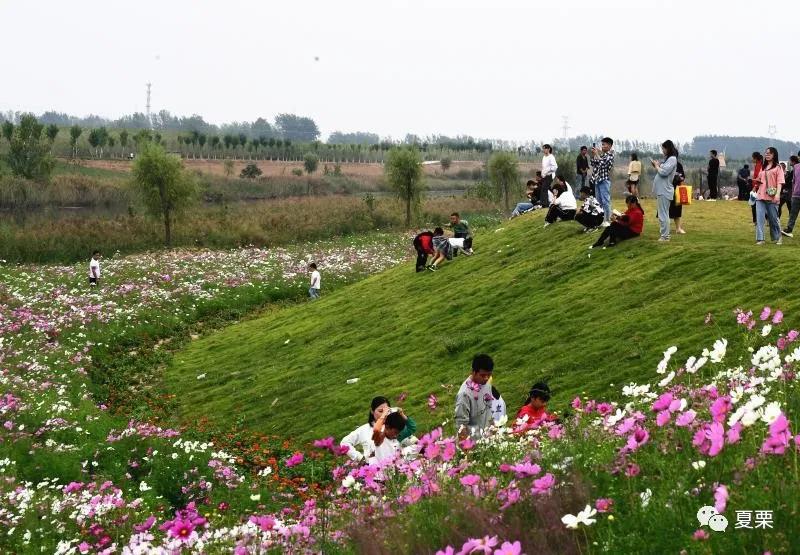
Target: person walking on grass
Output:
[(565, 205), (313, 291), (768, 195), (795, 206), (474, 399), (94, 269), (602, 167), (634, 172), (549, 168), (713, 175), (582, 166), (663, 189), (627, 226)]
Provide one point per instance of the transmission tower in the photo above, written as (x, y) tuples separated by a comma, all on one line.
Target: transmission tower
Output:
[(773, 130), (565, 126), (147, 106)]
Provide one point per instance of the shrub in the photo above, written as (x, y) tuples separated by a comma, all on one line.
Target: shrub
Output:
[(251, 171)]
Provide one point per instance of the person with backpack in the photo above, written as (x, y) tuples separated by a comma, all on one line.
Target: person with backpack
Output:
[(423, 244)]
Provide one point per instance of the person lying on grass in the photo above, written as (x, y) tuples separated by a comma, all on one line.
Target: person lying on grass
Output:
[(359, 442), (442, 247), (624, 226), (534, 411)]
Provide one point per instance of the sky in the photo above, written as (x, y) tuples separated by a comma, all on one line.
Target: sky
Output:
[(499, 69)]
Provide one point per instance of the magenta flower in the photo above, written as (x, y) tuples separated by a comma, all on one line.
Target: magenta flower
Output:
[(662, 418), (576, 403), (700, 535), (734, 433), (777, 318), (470, 480), (709, 439), (685, 418), (181, 528), (467, 444), (605, 408), (146, 525), (446, 551), (603, 505), (765, 313), (639, 437), (481, 545), (663, 402), (542, 485), (720, 408), (432, 401), (449, 450), (509, 549), (632, 469), (265, 523), (721, 498), (525, 470), (294, 460), (327, 443), (792, 335), (779, 436), (84, 547)]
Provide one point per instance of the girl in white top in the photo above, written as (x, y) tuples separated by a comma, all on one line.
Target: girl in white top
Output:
[(380, 437)]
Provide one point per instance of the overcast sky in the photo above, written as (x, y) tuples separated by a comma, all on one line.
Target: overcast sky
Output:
[(506, 69)]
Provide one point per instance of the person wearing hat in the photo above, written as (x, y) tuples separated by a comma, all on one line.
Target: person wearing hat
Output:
[(534, 411)]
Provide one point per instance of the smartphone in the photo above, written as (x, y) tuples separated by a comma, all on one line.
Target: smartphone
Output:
[(594, 145)]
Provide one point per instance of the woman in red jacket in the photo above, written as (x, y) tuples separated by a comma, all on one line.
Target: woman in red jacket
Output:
[(626, 226)]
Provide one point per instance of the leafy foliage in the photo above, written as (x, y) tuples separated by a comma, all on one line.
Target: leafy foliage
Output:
[(504, 175), (29, 151), (250, 171), (404, 173), (310, 163)]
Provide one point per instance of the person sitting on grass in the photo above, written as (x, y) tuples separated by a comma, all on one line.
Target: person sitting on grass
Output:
[(590, 215), (461, 231), (443, 250), (386, 436), (360, 442), (534, 410), (564, 206), (625, 226), (474, 399), (532, 193), (423, 244)]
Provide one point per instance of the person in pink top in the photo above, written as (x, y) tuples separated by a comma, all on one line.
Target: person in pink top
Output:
[(795, 207), (768, 194)]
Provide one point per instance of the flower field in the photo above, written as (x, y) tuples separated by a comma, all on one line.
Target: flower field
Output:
[(84, 470)]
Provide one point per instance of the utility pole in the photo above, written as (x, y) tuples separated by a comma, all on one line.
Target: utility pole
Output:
[(772, 130), (565, 126), (147, 106)]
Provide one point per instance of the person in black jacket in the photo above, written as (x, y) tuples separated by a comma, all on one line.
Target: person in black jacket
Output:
[(582, 167), (713, 175), (743, 182)]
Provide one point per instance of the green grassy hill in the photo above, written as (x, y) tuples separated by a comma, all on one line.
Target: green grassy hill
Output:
[(533, 298)]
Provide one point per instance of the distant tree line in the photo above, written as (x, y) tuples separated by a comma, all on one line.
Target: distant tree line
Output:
[(740, 148)]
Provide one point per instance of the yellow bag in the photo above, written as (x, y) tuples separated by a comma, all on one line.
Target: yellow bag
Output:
[(683, 194)]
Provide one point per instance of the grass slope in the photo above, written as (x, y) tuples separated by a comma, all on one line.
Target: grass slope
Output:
[(531, 297)]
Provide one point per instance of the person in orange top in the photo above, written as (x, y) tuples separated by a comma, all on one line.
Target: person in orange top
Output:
[(534, 411)]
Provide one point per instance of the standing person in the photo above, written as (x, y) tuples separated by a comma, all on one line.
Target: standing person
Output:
[(758, 165), (461, 231), (423, 244), (663, 188), (634, 172), (675, 209), (743, 182), (795, 186), (768, 196), (582, 166), (590, 215), (313, 290), (713, 175), (602, 166), (474, 399), (786, 192), (565, 206), (94, 269), (626, 226), (549, 167)]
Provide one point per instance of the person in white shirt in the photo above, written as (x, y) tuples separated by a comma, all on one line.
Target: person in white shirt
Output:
[(94, 269), (498, 406), (549, 168), (565, 206), (313, 291), (379, 439)]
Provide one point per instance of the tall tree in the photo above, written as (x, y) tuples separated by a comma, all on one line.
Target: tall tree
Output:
[(404, 173), (166, 189), (297, 128), (8, 130), (504, 175), (123, 140), (52, 132), (29, 151), (74, 133)]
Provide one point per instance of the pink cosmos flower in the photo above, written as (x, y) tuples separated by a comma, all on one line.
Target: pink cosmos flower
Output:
[(778, 439), (685, 418), (481, 545), (542, 485), (709, 439), (446, 551), (734, 433), (432, 401), (327, 443), (525, 469), (765, 313), (721, 498), (700, 535), (639, 437), (181, 528), (470, 480), (603, 505), (467, 444), (576, 403), (294, 460), (449, 450), (146, 525), (265, 523), (720, 408), (662, 418), (663, 402), (84, 547), (792, 335), (777, 318), (632, 469), (605, 408), (509, 549)]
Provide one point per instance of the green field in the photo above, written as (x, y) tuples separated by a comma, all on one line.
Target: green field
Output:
[(533, 298)]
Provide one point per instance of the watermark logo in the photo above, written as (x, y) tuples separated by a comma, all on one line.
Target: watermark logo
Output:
[(708, 516)]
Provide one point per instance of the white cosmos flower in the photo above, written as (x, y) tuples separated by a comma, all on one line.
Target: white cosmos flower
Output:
[(256, 497), (645, 497), (348, 482), (697, 465), (765, 331), (771, 412), (695, 364), (750, 417), (584, 517), (662, 366), (720, 347), (667, 379)]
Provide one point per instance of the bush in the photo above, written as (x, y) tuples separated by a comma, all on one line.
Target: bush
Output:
[(251, 171), (298, 172), (566, 166)]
